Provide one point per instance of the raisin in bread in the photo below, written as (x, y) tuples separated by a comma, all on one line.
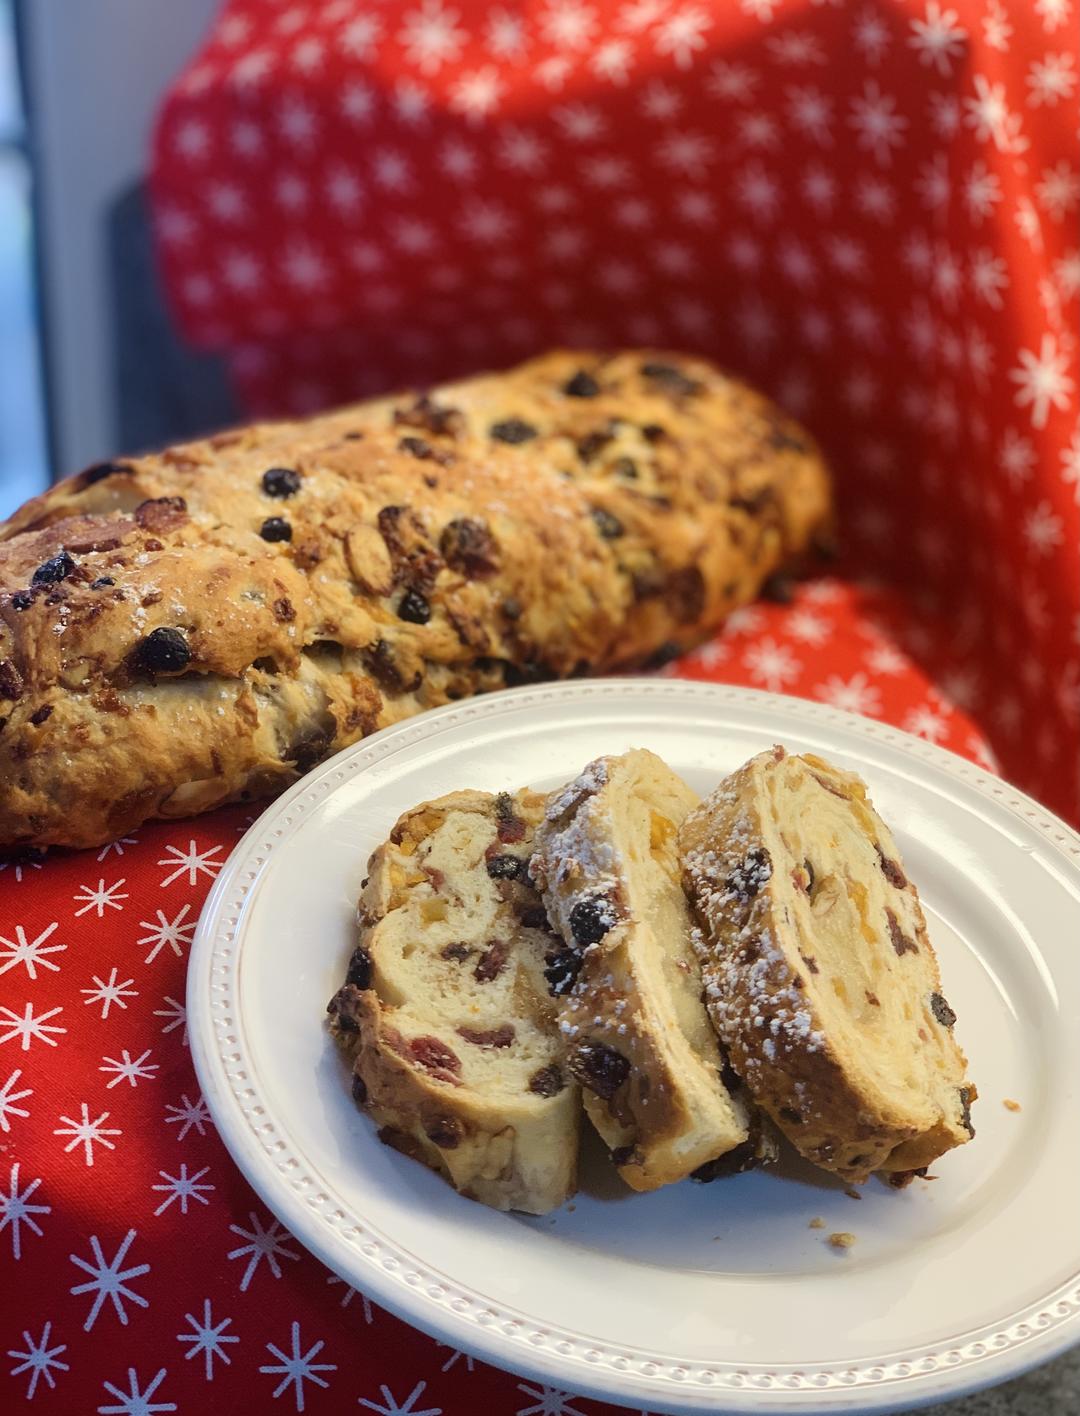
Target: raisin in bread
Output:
[(456, 1051), (820, 975), (204, 624), (628, 983)]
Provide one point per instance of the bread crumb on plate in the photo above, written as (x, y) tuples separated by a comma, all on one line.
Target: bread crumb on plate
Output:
[(817, 1222), (843, 1240), (1010, 1105)]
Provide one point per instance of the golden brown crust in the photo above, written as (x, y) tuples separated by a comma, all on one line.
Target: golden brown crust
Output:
[(578, 513)]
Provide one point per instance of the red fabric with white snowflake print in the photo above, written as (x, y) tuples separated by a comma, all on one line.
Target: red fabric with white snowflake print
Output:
[(131, 1249), (870, 208)]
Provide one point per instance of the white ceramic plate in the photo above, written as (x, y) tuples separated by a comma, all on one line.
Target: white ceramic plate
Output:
[(700, 1297)]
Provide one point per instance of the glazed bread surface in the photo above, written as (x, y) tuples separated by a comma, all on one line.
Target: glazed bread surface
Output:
[(205, 624), (456, 1050), (819, 972)]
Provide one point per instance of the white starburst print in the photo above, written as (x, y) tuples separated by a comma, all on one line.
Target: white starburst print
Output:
[(1070, 472), (40, 1360), (1043, 529), (1043, 381), (104, 897), (477, 93), (191, 863), (262, 1244), (1051, 80), (128, 1069), (871, 35), (9, 1096), (17, 1209), (1058, 193), (30, 953), (351, 1293), (175, 1015), (940, 39), (547, 1401), (1053, 13), (506, 37), (389, 1406), (189, 1114), (855, 694), (682, 34), (29, 1026), (360, 36), (87, 1133), (735, 83), (925, 723), (885, 659), (167, 933), (109, 1280), (109, 992), (771, 664), (431, 37), (182, 1188), (879, 128), (207, 1339), (136, 1400), (296, 1367)]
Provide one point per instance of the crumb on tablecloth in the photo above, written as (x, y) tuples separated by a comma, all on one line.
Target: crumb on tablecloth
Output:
[(1010, 1105), (843, 1240)]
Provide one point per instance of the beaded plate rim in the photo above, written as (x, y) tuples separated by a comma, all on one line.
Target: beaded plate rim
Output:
[(501, 1335)]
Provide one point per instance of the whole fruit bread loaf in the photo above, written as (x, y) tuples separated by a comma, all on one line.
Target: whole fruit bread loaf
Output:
[(205, 624)]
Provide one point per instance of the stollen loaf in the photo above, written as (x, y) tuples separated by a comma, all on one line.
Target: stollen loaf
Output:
[(204, 624)]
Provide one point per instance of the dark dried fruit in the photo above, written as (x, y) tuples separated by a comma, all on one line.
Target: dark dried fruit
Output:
[(359, 1089), (490, 1037), (625, 1155), (547, 1081), (671, 378), (384, 668), (22, 599), (492, 961), (11, 681), (418, 448), (891, 870), (901, 1179), (512, 430), (600, 1068), (665, 654), (592, 443), (592, 918), (783, 435), (284, 612), (56, 568), (625, 467), (101, 470), (101, 582), (42, 714), (281, 482), (780, 589), (900, 941), (810, 872), (458, 952), (941, 1010), (685, 593), (810, 962), (790, 1115), (446, 1132), (510, 827), (535, 917), (653, 433), (275, 528), (430, 417), (161, 513), (469, 548), (511, 608), (561, 968), (359, 972), (582, 385), (733, 1162), (967, 1096), (872, 998), (414, 607), (163, 651), (610, 527), (504, 867), (434, 1055), (751, 875)]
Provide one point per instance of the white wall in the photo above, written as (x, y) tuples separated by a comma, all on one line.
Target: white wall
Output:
[(95, 71)]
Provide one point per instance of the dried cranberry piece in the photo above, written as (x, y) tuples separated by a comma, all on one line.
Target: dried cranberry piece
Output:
[(600, 1068), (359, 972), (582, 385), (510, 826), (163, 651), (275, 528), (414, 607), (56, 568), (592, 918), (512, 430), (941, 1010), (891, 870), (434, 1055), (492, 961), (490, 1037), (547, 1081), (281, 482)]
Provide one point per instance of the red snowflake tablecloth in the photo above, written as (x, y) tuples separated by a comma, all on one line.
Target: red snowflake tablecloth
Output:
[(870, 208)]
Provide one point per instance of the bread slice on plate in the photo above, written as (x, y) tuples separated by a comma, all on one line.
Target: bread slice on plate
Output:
[(820, 976), (626, 977), (457, 1053)]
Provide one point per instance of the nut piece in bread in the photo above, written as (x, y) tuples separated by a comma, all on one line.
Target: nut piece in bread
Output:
[(819, 972), (456, 1051), (628, 983)]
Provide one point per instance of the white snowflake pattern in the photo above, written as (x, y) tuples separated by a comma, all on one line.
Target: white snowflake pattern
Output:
[(875, 199), (997, 31), (1027, 223), (989, 276), (1053, 13), (796, 47), (855, 694), (688, 153), (581, 122), (296, 1367), (136, 1401), (117, 846), (30, 952), (431, 37), (390, 1407), (176, 1015), (939, 38), (982, 191), (682, 34), (40, 1360), (16, 1209), (455, 1357), (506, 38), (360, 35), (1058, 193), (818, 187), (87, 1133), (187, 1115), (990, 117), (129, 1070), (933, 183), (758, 130), (357, 102), (613, 60), (207, 1338), (886, 659), (167, 933), (351, 1293), (758, 191), (810, 628), (182, 1188), (660, 101), (871, 35), (1070, 472), (763, 10), (771, 664), (109, 1280), (1051, 78), (1043, 529), (878, 127), (9, 1096), (109, 992), (944, 112), (810, 112), (477, 94), (263, 1243), (1043, 381), (103, 898), (549, 1401), (30, 1027), (191, 863), (925, 723), (735, 83)]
